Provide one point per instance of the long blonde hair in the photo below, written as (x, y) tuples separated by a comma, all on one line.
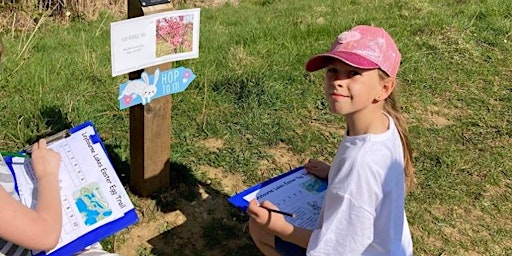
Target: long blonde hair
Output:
[(391, 107)]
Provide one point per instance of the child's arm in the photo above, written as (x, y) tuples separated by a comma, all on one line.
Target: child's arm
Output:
[(317, 168), (275, 223), (37, 229)]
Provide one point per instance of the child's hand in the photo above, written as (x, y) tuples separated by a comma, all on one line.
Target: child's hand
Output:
[(45, 161), (263, 218), (317, 168)]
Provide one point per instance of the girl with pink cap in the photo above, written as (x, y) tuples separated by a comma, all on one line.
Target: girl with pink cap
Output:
[(363, 212)]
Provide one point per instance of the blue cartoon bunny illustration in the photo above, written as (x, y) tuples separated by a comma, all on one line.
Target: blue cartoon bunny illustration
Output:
[(141, 87)]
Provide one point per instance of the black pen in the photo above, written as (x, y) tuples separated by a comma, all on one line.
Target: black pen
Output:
[(280, 212)]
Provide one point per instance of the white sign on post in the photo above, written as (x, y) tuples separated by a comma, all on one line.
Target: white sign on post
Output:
[(151, 40)]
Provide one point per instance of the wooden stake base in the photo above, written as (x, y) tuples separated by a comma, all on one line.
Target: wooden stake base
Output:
[(150, 128)]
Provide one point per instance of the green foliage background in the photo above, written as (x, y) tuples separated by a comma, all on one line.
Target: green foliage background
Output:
[(252, 92)]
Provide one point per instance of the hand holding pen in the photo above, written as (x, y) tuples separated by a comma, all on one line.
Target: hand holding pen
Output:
[(278, 211), (266, 216), (272, 208), (45, 161)]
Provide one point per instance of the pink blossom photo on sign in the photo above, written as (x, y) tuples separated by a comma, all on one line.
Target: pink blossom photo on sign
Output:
[(174, 35)]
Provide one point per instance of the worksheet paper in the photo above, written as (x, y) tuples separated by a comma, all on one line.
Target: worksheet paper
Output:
[(91, 193), (296, 192)]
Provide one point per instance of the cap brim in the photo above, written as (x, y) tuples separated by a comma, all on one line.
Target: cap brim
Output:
[(321, 61)]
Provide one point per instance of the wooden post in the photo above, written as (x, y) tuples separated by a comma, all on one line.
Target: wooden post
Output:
[(150, 127)]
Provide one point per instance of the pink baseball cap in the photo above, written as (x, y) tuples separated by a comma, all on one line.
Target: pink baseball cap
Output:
[(363, 47)]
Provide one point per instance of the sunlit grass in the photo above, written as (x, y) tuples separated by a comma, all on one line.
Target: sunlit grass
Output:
[(252, 93)]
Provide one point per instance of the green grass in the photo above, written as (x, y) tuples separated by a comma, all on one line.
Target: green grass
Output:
[(252, 93)]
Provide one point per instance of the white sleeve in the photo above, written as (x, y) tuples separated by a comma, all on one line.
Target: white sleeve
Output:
[(347, 228)]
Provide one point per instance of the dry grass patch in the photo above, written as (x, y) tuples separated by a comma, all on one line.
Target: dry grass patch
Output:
[(283, 158), (229, 183), (212, 144), (239, 59), (215, 3), (437, 117)]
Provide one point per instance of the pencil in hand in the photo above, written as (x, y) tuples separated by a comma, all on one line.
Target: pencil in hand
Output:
[(280, 212)]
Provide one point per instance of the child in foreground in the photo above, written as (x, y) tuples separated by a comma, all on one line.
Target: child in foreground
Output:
[(363, 212), (37, 229), (24, 229)]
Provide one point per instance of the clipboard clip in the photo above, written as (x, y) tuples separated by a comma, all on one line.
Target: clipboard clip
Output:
[(50, 139)]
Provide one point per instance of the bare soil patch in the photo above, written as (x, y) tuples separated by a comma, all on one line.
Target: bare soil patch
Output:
[(195, 218)]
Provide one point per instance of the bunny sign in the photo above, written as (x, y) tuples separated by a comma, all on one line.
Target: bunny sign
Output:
[(141, 88), (142, 91)]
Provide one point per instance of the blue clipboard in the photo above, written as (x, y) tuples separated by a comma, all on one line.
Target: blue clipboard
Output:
[(129, 218), (298, 195), (238, 199), (242, 204)]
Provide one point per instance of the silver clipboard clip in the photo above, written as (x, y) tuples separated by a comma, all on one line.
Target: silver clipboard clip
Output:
[(50, 139)]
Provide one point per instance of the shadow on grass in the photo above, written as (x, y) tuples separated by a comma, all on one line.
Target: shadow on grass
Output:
[(212, 225), (54, 120)]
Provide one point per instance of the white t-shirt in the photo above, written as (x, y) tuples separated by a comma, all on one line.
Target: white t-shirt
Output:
[(363, 210)]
